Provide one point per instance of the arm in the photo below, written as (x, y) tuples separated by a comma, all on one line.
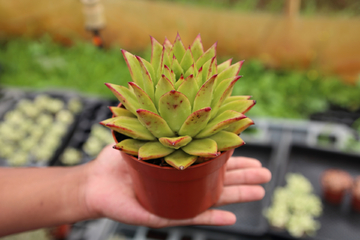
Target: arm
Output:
[(31, 198), (42, 197)]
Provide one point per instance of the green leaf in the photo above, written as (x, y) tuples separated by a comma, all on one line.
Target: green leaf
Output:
[(230, 72), (130, 146), (210, 53), (209, 69), (212, 68), (197, 48), (199, 77), (179, 82), (150, 69), (191, 71), (220, 122), (180, 160), (202, 147), (178, 48), (195, 122), (204, 95), (227, 140), (175, 142), (241, 106), (125, 96), (144, 101), (167, 59), (189, 88), (174, 107), (134, 68), (155, 124), (222, 91), (221, 67), (175, 66), (167, 55), (239, 126), (147, 81), (235, 98), (161, 67), (128, 126), (169, 74), (156, 54), (164, 85), (119, 111), (187, 60), (168, 46), (153, 150)]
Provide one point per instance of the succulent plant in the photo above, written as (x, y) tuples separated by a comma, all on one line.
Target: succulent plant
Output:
[(37, 138), (295, 207), (179, 105)]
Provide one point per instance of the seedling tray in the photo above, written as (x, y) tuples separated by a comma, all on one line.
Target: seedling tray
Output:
[(14, 96), (250, 219), (337, 115), (337, 222), (95, 110)]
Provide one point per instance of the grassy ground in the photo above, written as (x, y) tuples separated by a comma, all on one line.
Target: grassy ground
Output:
[(44, 64)]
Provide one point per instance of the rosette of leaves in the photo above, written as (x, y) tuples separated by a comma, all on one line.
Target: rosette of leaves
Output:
[(179, 105)]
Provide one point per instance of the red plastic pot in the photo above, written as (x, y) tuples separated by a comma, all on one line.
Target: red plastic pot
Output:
[(173, 193), (178, 194)]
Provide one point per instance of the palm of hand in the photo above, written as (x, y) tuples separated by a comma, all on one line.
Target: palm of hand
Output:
[(109, 192)]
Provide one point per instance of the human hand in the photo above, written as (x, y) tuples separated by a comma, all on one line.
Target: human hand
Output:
[(109, 193)]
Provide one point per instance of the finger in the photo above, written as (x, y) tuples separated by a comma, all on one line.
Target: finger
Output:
[(247, 176), (209, 217), (242, 162), (110, 158), (238, 194), (109, 152)]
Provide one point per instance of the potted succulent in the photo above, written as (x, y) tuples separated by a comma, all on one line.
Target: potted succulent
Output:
[(181, 123)]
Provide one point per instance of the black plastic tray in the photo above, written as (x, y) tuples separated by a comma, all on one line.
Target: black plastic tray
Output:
[(336, 116), (124, 231), (95, 110), (250, 219), (337, 222), (13, 97)]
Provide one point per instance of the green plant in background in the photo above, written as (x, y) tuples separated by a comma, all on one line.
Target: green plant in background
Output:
[(179, 105), (33, 130), (352, 143), (279, 93), (292, 94), (46, 64), (294, 207)]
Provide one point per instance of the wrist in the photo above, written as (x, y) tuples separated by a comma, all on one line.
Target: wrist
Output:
[(85, 191)]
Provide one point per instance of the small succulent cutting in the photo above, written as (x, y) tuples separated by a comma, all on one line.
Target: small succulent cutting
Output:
[(179, 105)]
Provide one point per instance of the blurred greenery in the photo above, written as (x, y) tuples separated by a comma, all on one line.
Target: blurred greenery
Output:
[(279, 93), (46, 64), (293, 94)]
